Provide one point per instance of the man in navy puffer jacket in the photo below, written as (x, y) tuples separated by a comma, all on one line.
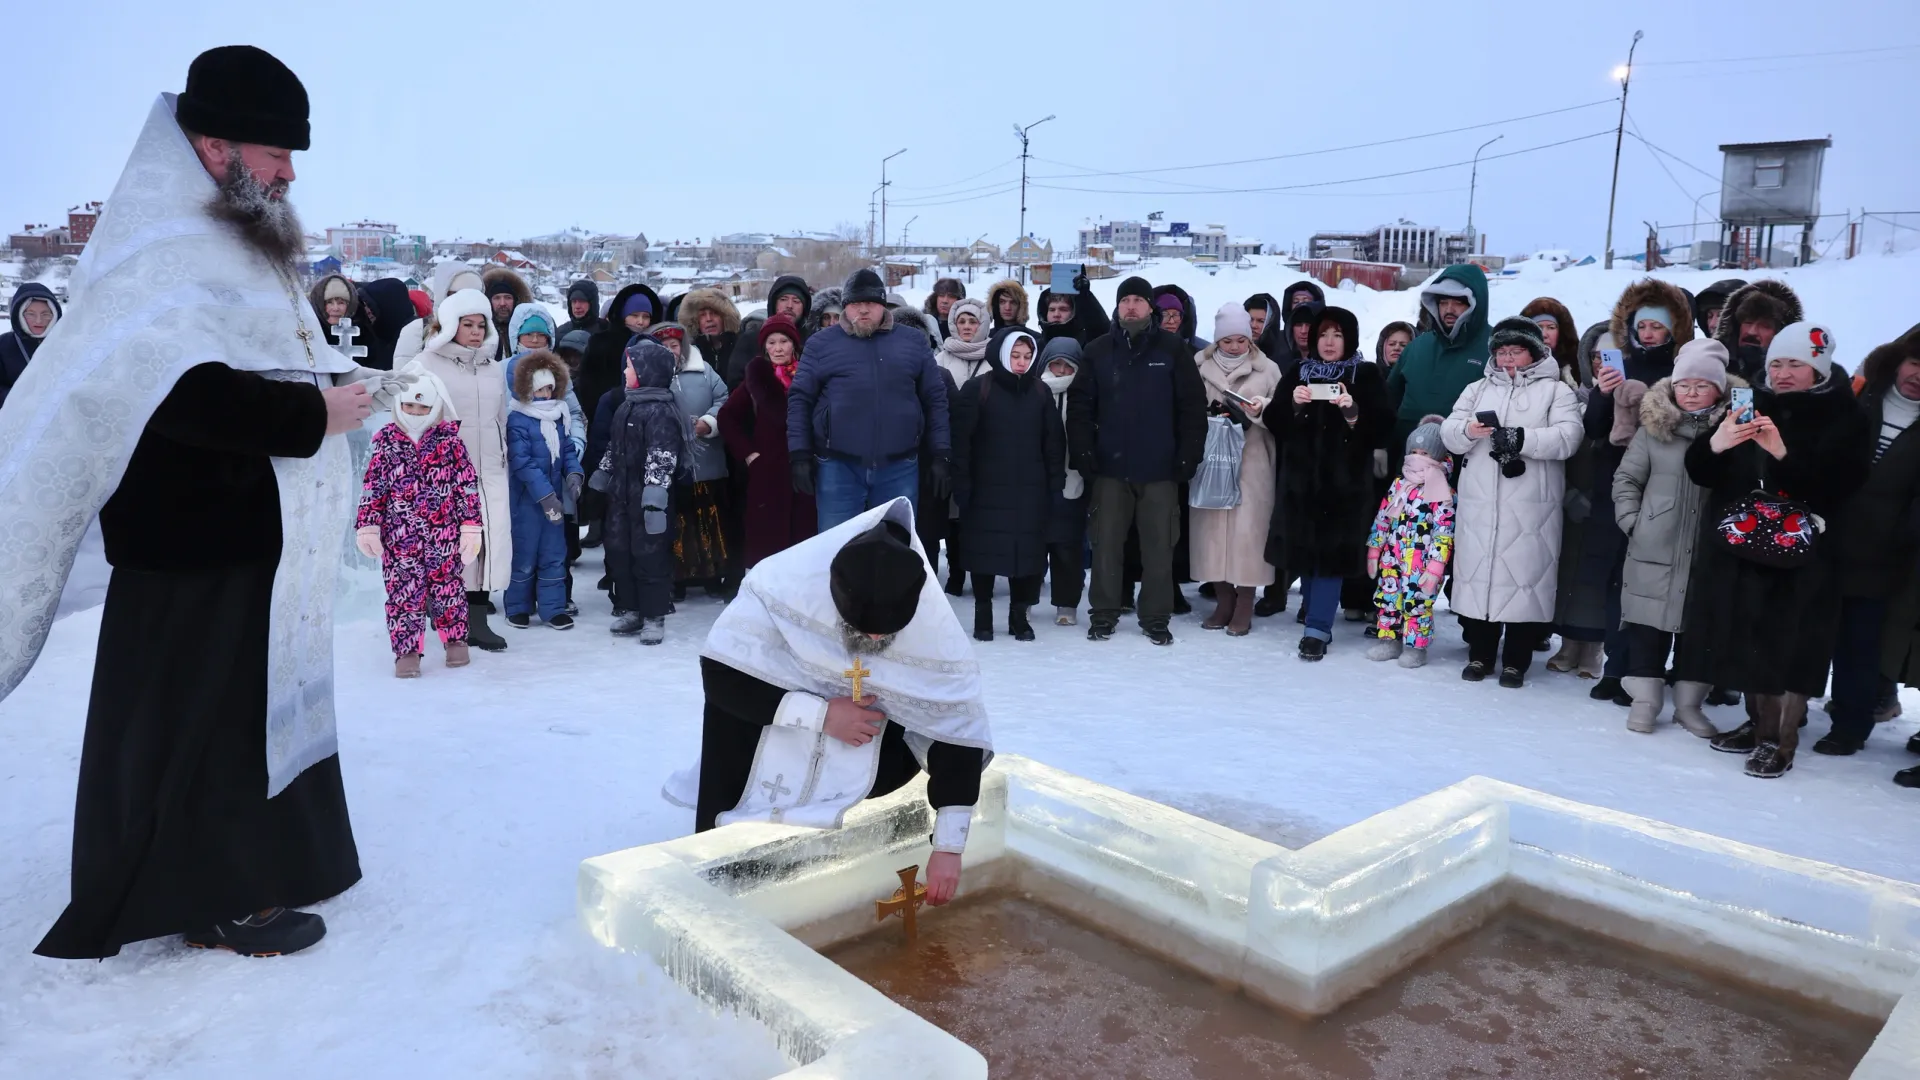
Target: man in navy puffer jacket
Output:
[(866, 402)]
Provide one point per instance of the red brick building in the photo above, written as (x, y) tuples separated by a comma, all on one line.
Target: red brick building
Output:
[(46, 241), (81, 220)]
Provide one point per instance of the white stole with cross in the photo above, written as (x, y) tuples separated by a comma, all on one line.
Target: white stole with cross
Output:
[(783, 629)]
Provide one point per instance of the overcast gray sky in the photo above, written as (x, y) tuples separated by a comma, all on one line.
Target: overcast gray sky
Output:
[(684, 120)]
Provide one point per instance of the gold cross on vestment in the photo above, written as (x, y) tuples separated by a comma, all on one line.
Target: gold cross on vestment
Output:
[(905, 902), (857, 673)]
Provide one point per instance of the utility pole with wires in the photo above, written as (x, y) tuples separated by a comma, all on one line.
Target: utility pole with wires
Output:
[(1474, 184), (1625, 73), (1021, 134), (883, 200)]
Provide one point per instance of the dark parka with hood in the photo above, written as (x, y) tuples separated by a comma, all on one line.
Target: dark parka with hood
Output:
[(491, 281), (1439, 364), (1022, 312), (1189, 321), (1580, 603), (1769, 299), (584, 289), (603, 367), (717, 348), (1885, 547), (17, 346), (1089, 318), (1009, 460), (1275, 342)]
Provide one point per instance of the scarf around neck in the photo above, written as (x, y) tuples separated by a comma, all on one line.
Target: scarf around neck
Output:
[(552, 414)]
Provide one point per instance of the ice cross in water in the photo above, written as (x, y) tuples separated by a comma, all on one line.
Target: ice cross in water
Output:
[(345, 331)]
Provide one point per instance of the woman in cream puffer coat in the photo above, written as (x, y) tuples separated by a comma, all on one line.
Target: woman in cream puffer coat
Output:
[(478, 392)]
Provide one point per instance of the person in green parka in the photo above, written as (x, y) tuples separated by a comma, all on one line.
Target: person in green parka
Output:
[(1444, 361)]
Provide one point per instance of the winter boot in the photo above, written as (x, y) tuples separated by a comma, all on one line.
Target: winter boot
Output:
[(1242, 622), (1608, 689), (479, 634), (1592, 661), (1207, 590), (1273, 601), (982, 614), (1181, 605), (1908, 778), (1687, 699), (1648, 695), (520, 621), (592, 539), (407, 667), (1222, 608), (1100, 629), (458, 654), (1475, 671), (562, 621), (1512, 678), (1413, 656), (956, 581), (1017, 623), (1159, 635), (1740, 740), (653, 631), (1313, 649), (1913, 743), (1065, 616), (627, 624), (273, 932), (1568, 657), (1352, 614), (1389, 649)]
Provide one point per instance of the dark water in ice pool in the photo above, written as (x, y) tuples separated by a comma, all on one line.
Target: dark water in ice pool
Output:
[(1046, 997)]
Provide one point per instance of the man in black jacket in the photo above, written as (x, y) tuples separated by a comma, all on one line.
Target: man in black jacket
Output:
[(1137, 426), (583, 309)]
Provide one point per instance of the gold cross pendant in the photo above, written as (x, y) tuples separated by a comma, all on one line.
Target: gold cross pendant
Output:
[(857, 673), (905, 902)]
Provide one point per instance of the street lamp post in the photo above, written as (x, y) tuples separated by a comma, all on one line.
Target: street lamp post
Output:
[(1474, 184), (883, 199), (1625, 72), (1021, 134)]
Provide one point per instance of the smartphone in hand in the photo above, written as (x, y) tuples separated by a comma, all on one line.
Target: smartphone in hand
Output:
[(1488, 417), (1324, 391), (1614, 359), (1740, 400)]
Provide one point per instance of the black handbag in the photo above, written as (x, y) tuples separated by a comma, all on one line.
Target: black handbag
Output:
[(1772, 530)]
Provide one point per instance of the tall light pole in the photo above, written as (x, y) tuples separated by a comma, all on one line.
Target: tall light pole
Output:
[(1625, 74), (904, 228), (1474, 184), (883, 199), (1021, 134)]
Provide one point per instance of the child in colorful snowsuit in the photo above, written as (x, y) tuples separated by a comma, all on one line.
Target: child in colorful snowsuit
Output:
[(420, 516), (647, 453), (546, 478), (1408, 549)]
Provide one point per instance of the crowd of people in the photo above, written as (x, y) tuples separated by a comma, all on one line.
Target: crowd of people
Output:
[(1693, 496)]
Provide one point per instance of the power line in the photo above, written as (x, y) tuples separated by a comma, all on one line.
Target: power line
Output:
[(1350, 180), (962, 180), (1007, 188), (1087, 171), (1777, 56), (1753, 192), (959, 191), (1634, 126)]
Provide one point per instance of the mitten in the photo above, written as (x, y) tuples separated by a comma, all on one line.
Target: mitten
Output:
[(942, 478), (1380, 464), (574, 482), (550, 505), (1626, 411), (803, 475), (1507, 442), (470, 537), (367, 539), (653, 509)]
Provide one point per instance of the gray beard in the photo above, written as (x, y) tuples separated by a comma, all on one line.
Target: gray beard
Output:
[(859, 643), (854, 329), (268, 225)]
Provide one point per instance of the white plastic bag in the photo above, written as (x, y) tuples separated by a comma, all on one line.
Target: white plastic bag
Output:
[(1216, 486)]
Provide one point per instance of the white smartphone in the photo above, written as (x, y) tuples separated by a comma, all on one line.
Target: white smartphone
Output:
[(1323, 391)]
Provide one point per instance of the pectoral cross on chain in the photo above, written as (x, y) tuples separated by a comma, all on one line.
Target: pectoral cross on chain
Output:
[(905, 902), (856, 673), (345, 331)]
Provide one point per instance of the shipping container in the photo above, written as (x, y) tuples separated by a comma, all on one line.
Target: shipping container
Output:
[(1381, 277)]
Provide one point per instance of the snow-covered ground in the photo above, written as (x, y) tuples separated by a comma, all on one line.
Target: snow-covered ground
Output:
[(477, 792)]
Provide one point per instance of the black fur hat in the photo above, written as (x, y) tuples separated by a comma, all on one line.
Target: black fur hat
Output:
[(244, 94), (876, 580), (1517, 330)]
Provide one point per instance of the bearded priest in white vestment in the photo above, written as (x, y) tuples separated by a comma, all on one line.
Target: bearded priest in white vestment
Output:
[(783, 737)]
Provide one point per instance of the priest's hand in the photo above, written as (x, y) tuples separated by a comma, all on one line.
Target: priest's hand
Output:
[(855, 724), (347, 407), (943, 877)]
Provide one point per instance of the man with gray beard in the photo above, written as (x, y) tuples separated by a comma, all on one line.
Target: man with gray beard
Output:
[(837, 675), (189, 399)]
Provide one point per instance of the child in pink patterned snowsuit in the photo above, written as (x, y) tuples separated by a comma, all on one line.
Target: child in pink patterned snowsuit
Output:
[(1408, 549), (420, 515)]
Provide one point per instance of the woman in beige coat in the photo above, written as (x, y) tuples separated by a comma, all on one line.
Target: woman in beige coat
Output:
[(459, 351), (1512, 477), (1228, 547)]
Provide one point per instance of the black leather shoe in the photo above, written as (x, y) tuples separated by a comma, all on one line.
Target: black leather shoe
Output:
[(273, 932), (1740, 740), (1475, 671), (1511, 678), (1835, 746)]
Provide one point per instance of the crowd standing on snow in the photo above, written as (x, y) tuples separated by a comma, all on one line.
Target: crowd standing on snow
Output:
[(1693, 496)]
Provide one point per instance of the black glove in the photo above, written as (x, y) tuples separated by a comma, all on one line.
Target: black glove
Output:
[(1085, 465), (550, 505), (802, 476), (1080, 282), (574, 483), (1506, 445), (942, 478)]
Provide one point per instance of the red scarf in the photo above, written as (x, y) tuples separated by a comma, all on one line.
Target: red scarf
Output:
[(785, 373)]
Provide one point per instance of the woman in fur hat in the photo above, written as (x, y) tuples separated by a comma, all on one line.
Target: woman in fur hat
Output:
[(1006, 304), (1510, 485), (1229, 546), (448, 278), (459, 352)]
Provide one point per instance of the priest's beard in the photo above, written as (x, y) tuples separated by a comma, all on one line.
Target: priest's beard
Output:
[(859, 643), (267, 224)]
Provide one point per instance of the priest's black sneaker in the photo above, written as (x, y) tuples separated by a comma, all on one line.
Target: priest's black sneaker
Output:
[(1511, 678), (273, 932), (1768, 761), (1475, 671), (1159, 635), (1740, 740), (1312, 649), (520, 622), (561, 622)]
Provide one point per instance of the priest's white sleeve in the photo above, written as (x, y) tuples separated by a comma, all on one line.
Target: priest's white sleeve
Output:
[(950, 826), (799, 709)]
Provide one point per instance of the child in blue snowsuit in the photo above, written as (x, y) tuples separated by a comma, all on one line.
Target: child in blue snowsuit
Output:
[(545, 478)]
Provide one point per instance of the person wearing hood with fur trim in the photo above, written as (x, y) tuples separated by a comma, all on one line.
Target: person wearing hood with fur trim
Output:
[(1750, 318), (583, 309), (1009, 459), (32, 312), (646, 460), (1769, 631), (460, 354), (753, 423), (1511, 484), (713, 325), (531, 328), (1228, 547), (448, 278), (1443, 361), (1556, 329), (828, 303), (1007, 304), (1060, 360), (1709, 302), (506, 290), (1326, 439), (1674, 413), (546, 477), (336, 299), (420, 517), (939, 303)]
